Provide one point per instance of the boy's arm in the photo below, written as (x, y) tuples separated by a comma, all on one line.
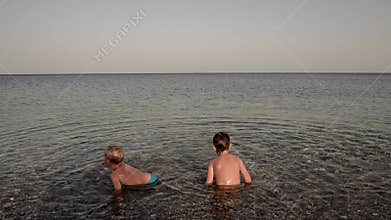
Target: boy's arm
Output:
[(209, 179), (116, 182), (243, 170)]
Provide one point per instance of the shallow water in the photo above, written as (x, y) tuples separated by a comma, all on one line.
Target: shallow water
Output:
[(317, 146)]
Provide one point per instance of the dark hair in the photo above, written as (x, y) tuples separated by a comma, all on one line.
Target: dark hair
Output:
[(221, 142)]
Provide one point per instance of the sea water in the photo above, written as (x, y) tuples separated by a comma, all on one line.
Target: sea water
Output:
[(316, 145)]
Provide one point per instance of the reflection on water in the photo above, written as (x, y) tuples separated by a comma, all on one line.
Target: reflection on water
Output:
[(119, 205), (224, 204), (311, 153), (225, 200)]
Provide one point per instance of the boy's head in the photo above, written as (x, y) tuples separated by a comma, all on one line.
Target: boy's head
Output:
[(221, 142), (114, 154)]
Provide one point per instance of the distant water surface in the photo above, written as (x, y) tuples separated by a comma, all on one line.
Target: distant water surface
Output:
[(317, 146)]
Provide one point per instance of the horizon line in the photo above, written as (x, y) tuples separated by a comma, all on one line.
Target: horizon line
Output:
[(206, 72)]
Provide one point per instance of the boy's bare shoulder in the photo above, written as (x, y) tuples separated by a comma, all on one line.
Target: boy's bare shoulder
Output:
[(114, 176), (235, 157), (117, 172)]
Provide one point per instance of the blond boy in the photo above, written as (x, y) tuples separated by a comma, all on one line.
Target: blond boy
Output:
[(123, 174)]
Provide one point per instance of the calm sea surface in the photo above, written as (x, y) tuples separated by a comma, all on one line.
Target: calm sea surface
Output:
[(317, 146)]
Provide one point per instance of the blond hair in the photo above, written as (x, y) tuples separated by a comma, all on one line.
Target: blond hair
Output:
[(114, 154)]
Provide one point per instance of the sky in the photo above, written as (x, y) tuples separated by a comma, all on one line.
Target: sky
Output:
[(181, 36)]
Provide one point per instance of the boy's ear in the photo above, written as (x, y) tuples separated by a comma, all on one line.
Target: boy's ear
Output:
[(214, 148), (230, 146)]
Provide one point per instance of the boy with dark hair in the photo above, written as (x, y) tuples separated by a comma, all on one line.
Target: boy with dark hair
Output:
[(226, 168)]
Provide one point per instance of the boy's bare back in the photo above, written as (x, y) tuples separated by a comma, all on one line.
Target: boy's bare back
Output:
[(227, 169), (128, 175)]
